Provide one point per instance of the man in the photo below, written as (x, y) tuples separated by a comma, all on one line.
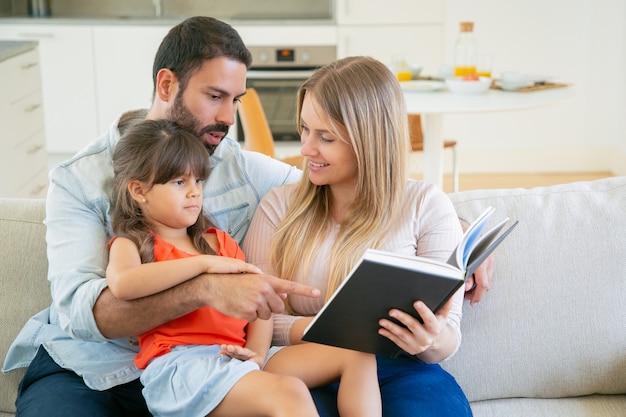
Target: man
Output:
[(80, 351)]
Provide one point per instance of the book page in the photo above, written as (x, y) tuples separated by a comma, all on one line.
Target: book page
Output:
[(416, 263), (460, 256), (486, 246)]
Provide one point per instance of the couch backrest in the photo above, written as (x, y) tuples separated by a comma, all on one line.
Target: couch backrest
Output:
[(23, 279), (554, 323)]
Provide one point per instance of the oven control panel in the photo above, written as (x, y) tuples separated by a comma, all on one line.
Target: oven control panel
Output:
[(292, 56)]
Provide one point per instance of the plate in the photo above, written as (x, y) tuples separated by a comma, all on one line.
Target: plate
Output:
[(459, 85), (514, 86), (539, 78), (422, 86)]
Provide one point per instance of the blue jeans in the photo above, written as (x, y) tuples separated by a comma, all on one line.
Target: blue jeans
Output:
[(49, 390), (409, 388)]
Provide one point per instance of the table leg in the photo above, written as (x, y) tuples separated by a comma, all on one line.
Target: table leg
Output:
[(432, 127)]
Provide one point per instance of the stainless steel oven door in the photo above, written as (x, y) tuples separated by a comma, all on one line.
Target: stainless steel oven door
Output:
[(277, 89)]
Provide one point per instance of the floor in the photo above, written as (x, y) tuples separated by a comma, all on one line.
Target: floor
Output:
[(477, 181)]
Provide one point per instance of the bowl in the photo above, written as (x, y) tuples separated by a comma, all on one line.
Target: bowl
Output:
[(460, 85), (513, 80), (416, 70)]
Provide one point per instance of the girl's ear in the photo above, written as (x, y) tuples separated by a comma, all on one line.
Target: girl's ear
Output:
[(137, 191)]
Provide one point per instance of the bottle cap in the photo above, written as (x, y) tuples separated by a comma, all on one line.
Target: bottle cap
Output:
[(467, 26)]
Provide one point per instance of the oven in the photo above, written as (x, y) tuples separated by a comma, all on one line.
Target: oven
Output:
[(276, 74)]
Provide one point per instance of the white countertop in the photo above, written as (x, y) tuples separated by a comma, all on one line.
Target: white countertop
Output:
[(10, 49)]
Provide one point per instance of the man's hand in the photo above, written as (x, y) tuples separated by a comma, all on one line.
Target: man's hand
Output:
[(479, 283), (252, 296)]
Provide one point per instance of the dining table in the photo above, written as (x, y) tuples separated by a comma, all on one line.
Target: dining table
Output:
[(432, 105)]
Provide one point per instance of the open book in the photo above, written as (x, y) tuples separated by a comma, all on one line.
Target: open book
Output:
[(383, 280)]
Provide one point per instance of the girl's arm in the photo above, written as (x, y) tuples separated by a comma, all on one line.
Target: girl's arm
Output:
[(128, 278), (259, 338)]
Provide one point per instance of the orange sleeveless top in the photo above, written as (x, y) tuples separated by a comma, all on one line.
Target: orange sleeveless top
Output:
[(205, 326)]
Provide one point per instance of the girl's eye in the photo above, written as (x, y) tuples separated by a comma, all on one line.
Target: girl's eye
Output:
[(199, 180), (304, 128), (326, 139), (179, 182)]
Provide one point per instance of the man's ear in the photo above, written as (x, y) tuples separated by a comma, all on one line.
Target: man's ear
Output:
[(166, 84), (137, 191)]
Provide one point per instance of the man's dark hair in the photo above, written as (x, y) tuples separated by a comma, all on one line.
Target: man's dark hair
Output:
[(194, 41)]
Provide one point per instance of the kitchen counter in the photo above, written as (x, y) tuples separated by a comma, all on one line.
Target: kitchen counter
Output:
[(9, 49)]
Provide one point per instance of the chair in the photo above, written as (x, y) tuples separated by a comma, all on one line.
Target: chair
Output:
[(256, 130), (417, 145)]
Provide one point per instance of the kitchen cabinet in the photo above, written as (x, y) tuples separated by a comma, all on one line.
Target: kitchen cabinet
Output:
[(67, 76), (362, 12), (23, 164), (384, 29), (421, 45), (123, 61)]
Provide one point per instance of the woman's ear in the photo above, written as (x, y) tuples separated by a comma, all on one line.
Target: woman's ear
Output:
[(166, 84), (137, 191)]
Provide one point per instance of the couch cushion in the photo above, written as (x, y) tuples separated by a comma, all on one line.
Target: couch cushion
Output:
[(593, 405), (23, 270), (553, 324)]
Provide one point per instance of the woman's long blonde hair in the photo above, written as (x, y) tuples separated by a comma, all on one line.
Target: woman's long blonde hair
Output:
[(365, 105)]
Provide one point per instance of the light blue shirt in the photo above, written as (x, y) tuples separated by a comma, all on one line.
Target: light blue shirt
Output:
[(78, 230)]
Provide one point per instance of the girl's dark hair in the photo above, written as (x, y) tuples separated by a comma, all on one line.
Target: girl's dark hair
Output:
[(191, 43), (154, 152)]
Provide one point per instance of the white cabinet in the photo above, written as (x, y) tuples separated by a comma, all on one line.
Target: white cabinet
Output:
[(68, 87), (387, 28), (361, 12), (23, 166), (422, 45), (123, 62)]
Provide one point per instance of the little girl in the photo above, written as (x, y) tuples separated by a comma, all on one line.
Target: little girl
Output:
[(207, 363)]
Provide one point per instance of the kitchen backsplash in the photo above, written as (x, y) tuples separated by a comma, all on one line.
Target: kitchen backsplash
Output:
[(224, 9)]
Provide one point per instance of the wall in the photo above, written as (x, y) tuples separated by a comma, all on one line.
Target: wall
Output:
[(621, 108), (576, 41)]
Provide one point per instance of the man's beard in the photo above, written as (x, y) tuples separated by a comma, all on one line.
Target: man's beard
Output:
[(180, 114)]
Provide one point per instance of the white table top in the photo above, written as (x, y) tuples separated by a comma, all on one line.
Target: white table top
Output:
[(432, 105), (434, 102)]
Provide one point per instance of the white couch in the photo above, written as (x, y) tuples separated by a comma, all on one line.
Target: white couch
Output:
[(548, 340)]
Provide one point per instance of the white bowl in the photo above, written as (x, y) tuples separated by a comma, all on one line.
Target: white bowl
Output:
[(461, 86), (416, 70)]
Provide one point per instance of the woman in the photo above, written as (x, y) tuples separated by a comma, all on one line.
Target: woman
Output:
[(355, 194)]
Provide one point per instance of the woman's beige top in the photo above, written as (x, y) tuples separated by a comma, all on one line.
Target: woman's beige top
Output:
[(429, 227)]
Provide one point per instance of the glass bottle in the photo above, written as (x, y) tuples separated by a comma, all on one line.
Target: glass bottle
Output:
[(466, 51)]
